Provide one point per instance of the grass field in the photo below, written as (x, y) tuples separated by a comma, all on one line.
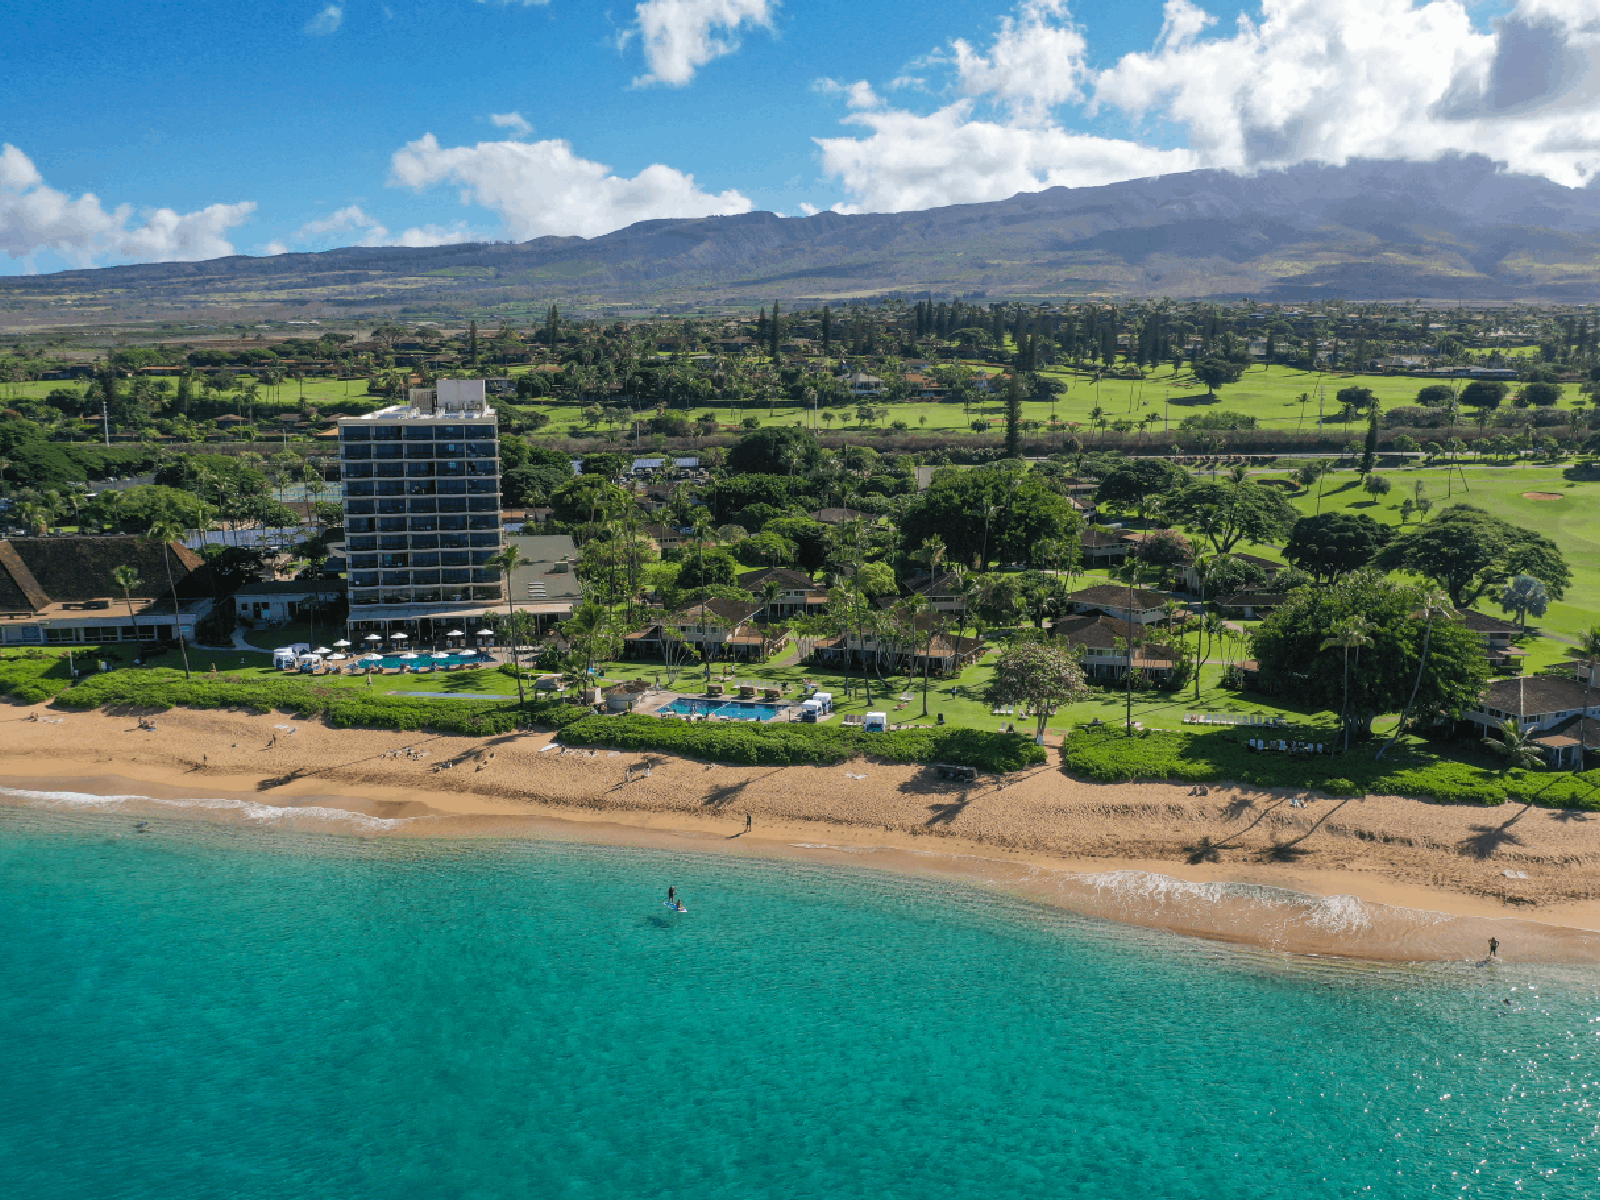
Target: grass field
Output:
[(1573, 521), (1269, 394)]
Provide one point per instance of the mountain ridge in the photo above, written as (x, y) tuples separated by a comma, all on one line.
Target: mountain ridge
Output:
[(1370, 229)]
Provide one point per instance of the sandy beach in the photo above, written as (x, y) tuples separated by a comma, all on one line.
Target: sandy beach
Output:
[(1379, 877)]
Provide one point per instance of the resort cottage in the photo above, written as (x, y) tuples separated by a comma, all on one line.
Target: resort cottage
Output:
[(721, 630), (797, 593), (947, 654), (269, 602), (1562, 712), (1144, 608), (1496, 636), (1102, 642)]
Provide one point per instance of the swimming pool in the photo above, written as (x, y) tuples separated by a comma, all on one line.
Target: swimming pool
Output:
[(730, 710), (391, 661)]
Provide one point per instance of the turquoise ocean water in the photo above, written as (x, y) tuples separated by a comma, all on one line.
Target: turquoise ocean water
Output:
[(224, 1011)]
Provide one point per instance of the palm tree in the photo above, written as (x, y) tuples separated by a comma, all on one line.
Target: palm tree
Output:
[(126, 578), (1434, 604), (931, 552), (1202, 571), (507, 561), (1587, 652), (165, 532), (1351, 632), (1525, 594), (1213, 626), (1515, 746), (1129, 572)]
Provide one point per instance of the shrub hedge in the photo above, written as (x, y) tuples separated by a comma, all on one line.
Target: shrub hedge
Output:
[(1218, 756), (33, 680), (353, 708), (343, 708), (784, 744)]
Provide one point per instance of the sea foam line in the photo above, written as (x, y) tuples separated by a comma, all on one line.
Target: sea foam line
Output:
[(250, 810)]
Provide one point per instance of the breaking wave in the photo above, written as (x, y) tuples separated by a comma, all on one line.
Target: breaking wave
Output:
[(252, 811)]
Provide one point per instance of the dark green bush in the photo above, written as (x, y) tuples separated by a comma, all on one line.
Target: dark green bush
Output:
[(33, 680), (343, 708), (1217, 756), (787, 744)]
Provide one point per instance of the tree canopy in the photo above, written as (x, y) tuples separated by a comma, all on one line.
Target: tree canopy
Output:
[(1037, 674), (1483, 393), (1333, 543), (1289, 646), (1028, 520), (1140, 484), (1467, 551), (1229, 513), (774, 450), (1217, 372)]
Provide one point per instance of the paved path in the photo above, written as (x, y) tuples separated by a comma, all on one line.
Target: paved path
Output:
[(240, 644)]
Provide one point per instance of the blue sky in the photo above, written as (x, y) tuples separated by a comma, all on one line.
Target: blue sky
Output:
[(201, 129)]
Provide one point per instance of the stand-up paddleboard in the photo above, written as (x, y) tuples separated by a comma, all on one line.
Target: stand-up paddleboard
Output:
[(675, 907)]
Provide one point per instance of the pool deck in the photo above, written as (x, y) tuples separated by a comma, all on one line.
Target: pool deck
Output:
[(654, 703)]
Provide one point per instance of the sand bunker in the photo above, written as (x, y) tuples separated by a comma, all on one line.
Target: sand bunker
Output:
[(1542, 496)]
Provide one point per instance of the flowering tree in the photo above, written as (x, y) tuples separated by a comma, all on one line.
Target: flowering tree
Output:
[(1041, 676)]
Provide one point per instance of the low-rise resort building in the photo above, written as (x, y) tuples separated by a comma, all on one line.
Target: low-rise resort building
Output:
[(61, 591)]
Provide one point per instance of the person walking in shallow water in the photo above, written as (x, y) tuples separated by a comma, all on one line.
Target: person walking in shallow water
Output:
[(1494, 947)]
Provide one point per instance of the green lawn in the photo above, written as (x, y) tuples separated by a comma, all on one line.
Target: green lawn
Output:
[(1573, 521), (1269, 394)]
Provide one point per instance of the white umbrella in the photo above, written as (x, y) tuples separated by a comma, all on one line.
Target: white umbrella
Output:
[(485, 633), (374, 637), (337, 657), (398, 637), (341, 643), (455, 633), (408, 656), (322, 650), (443, 656), (372, 658)]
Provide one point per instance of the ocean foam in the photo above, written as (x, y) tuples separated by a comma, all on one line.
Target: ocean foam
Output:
[(249, 810)]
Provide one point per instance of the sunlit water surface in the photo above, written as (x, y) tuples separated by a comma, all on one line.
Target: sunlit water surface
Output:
[(221, 1011)]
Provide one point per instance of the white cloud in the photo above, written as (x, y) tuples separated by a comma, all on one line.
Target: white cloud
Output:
[(681, 36), (543, 188), (325, 22), (1377, 79), (1301, 80), (910, 161), (857, 95), (274, 247), (1035, 63), (810, 210), (519, 125), (352, 219), (35, 217)]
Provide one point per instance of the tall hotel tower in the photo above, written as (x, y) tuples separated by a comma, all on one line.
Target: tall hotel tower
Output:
[(422, 512)]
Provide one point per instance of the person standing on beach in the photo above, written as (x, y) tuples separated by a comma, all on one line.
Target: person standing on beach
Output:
[(747, 822), (1494, 947)]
